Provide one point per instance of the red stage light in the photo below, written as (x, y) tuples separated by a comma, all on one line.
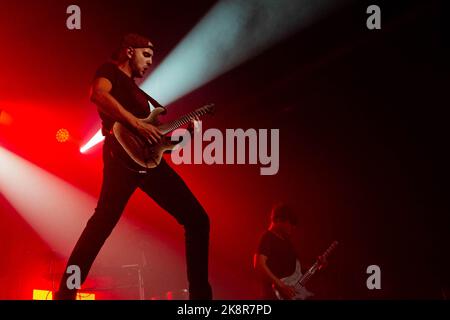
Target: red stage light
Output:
[(62, 135)]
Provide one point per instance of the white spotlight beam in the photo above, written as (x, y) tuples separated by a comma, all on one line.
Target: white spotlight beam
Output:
[(56, 210), (231, 33)]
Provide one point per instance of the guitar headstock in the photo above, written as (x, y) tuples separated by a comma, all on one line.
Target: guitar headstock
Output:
[(331, 247), (323, 258), (209, 108)]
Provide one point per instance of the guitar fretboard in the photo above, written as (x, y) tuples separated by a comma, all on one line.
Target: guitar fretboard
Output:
[(175, 124), (304, 279)]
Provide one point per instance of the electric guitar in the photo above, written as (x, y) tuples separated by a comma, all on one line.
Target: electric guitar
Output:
[(148, 154), (298, 281)]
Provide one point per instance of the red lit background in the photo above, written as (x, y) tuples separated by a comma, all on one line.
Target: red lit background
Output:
[(361, 156)]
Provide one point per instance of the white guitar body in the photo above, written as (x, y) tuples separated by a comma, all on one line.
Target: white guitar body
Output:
[(301, 293), (298, 280)]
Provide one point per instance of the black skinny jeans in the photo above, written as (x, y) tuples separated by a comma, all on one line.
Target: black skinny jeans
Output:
[(170, 192)]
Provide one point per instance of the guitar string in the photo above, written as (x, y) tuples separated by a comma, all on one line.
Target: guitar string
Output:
[(185, 119), (309, 273)]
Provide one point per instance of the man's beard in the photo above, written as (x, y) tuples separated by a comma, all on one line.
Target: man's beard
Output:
[(135, 71), (137, 74)]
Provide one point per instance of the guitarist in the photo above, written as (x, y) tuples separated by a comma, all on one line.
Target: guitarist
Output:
[(275, 257), (118, 98)]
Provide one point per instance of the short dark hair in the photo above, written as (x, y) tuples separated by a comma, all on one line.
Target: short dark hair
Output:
[(281, 212)]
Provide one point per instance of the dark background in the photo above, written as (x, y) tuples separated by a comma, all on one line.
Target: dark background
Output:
[(363, 134)]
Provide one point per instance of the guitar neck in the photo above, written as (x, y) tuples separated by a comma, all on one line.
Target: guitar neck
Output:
[(305, 278), (175, 124), (316, 265)]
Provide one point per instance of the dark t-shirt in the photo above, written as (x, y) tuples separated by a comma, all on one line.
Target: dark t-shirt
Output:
[(281, 258), (126, 92)]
